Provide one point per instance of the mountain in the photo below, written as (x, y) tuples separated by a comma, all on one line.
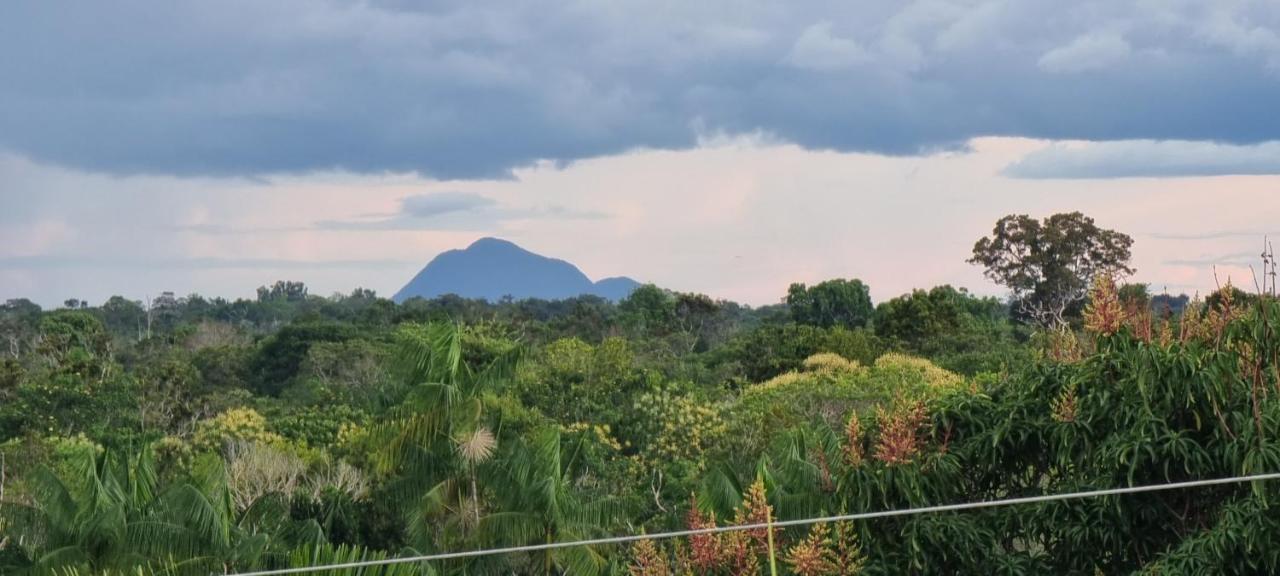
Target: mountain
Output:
[(492, 268)]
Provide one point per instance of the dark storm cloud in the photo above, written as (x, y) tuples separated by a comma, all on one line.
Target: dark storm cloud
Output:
[(475, 89)]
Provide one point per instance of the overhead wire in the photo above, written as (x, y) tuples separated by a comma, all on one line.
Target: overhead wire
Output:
[(777, 524)]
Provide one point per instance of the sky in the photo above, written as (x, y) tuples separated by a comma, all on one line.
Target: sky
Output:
[(728, 148)]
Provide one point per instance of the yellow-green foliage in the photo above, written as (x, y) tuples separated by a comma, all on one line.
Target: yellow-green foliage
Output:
[(681, 427), (570, 360), (351, 436), (827, 389), (568, 357), (602, 433), (71, 446), (68, 449), (828, 361), (572, 380), (173, 453), (235, 425), (613, 358), (23, 456), (355, 444), (915, 376)]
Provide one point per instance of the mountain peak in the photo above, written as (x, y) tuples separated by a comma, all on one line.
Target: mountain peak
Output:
[(489, 242), (492, 268)]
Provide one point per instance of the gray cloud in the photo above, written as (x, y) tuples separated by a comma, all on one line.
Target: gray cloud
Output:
[(472, 89), (1088, 52), (1214, 235), (818, 49), (1147, 158), (428, 205), (218, 229), (1241, 259), (456, 211)]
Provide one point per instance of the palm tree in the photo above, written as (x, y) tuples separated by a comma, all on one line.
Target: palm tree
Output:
[(107, 513), (441, 444), (537, 501), (438, 440)]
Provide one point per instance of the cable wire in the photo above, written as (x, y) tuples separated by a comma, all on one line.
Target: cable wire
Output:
[(778, 524)]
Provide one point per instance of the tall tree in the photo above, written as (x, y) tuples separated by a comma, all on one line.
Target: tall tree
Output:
[(281, 356), (649, 310), (19, 324), (124, 317), (440, 436), (286, 290), (540, 500), (832, 303), (1049, 264)]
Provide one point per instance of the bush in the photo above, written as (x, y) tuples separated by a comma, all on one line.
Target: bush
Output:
[(826, 391), (774, 349)]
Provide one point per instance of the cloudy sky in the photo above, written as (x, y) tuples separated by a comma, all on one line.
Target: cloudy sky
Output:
[(722, 147)]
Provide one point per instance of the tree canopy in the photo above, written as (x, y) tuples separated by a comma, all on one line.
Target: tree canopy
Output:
[(831, 303), (1049, 264), (244, 435)]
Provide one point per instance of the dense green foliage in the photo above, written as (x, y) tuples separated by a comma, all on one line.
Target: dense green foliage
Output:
[(832, 303), (1048, 264), (954, 329), (192, 436)]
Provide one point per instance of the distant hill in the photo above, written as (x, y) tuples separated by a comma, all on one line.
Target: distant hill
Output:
[(492, 268)]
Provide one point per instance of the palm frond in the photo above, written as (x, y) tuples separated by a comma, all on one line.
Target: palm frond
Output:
[(313, 555), (55, 500), (477, 447), (510, 529), (23, 523), (584, 560), (195, 510), (721, 490), (64, 556)]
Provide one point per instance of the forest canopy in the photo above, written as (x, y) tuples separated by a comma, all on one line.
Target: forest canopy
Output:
[(194, 435)]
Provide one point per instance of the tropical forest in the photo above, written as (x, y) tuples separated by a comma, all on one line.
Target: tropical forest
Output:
[(193, 435)]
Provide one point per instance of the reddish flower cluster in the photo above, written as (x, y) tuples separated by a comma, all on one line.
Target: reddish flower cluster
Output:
[(813, 556), (738, 551), (901, 434), (648, 560), (705, 549), (853, 450), (849, 559), (1204, 323), (821, 554), (1192, 327), (824, 470), (1064, 406), (755, 509), (1063, 346), (1104, 315), (1225, 313), (1166, 333), (741, 554), (1137, 316)]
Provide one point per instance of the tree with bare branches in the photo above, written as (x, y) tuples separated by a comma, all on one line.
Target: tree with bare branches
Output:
[(1048, 265)]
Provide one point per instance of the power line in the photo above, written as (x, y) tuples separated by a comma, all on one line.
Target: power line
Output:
[(778, 524)]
